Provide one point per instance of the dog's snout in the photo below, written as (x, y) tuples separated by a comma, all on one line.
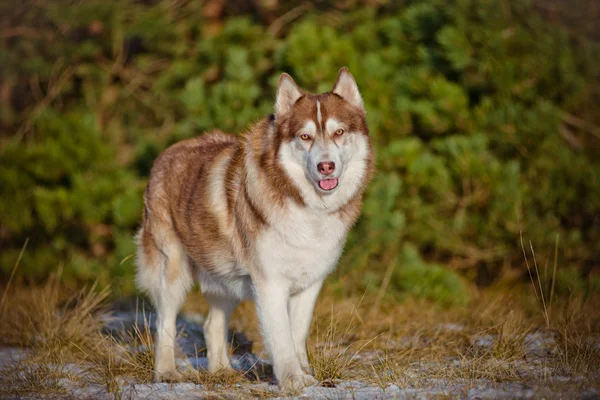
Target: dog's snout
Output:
[(326, 167)]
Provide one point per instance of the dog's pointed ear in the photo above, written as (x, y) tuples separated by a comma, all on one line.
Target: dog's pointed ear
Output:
[(287, 94), (346, 87)]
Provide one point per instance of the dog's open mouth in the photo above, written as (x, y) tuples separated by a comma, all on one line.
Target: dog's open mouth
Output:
[(328, 184)]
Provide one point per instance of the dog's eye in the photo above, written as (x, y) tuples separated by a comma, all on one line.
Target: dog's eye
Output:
[(339, 132), (304, 136)]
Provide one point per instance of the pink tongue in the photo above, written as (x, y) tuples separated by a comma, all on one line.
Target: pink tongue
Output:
[(328, 184)]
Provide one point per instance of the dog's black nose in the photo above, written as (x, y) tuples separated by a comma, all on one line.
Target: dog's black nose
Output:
[(326, 167)]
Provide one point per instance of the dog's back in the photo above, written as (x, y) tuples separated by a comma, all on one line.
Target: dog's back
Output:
[(186, 201)]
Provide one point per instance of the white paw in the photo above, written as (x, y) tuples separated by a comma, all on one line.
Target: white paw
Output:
[(306, 368), (219, 366), (295, 383), (168, 376)]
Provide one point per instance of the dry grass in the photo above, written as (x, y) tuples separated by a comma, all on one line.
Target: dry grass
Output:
[(43, 319), (332, 353), (577, 329), (408, 344), (112, 358), (55, 327), (221, 380), (34, 376)]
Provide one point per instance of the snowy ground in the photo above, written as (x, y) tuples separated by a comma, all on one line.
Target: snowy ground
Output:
[(77, 380)]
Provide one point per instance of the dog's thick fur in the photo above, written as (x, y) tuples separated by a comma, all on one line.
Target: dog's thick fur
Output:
[(261, 217)]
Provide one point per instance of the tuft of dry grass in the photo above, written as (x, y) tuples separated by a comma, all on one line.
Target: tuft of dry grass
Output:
[(28, 377), (484, 366), (574, 321), (336, 346), (577, 329), (262, 393), (56, 327), (130, 355), (387, 368), (43, 319), (505, 325), (331, 357), (578, 353), (223, 379), (138, 363)]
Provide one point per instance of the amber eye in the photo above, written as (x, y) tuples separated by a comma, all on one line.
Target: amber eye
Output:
[(339, 132), (304, 136)]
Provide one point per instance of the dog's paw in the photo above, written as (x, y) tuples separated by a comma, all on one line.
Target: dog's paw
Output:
[(295, 383), (307, 369), (221, 367), (168, 376)]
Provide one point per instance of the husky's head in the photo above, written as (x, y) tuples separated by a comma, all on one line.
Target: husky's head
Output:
[(325, 145)]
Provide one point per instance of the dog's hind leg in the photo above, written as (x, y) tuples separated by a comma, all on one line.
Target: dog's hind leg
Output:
[(216, 328), (164, 272)]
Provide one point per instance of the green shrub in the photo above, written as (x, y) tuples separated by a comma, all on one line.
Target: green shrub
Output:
[(414, 277), (480, 114)]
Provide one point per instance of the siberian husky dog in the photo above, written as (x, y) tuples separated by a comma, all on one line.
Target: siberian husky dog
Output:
[(263, 216)]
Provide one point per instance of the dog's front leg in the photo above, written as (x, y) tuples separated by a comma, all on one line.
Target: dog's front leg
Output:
[(301, 308), (272, 308)]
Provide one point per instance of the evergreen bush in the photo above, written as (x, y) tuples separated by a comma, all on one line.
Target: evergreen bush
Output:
[(482, 113)]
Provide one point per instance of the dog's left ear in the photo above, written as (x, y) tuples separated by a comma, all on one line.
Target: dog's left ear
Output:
[(287, 94), (346, 87)]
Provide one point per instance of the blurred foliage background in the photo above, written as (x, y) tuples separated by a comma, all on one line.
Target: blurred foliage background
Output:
[(484, 115)]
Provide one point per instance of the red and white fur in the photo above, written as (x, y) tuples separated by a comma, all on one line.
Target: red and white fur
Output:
[(260, 217)]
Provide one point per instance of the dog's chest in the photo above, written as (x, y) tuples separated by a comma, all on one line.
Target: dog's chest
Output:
[(302, 246)]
